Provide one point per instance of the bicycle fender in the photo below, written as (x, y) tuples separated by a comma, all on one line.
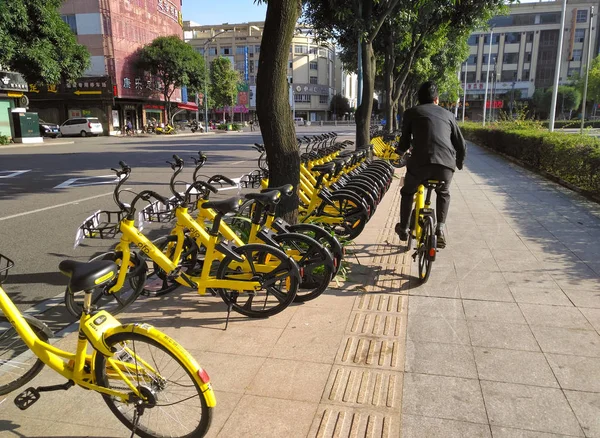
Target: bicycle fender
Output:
[(34, 322), (199, 374)]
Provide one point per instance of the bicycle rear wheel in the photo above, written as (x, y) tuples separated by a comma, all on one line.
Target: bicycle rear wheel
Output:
[(426, 246), (18, 364), (113, 302), (277, 272), (173, 404)]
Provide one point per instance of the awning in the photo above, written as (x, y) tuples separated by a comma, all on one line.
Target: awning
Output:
[(188, 106)]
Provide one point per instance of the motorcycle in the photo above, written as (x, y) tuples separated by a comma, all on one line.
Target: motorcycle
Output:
[(195, 126), (168, 129)]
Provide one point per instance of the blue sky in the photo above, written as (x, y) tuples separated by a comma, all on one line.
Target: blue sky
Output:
[(223, 11)]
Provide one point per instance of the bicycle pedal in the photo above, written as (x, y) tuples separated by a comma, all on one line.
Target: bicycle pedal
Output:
[(27, 398)]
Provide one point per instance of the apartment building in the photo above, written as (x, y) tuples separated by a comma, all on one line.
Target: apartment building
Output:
[(523, 54), (311, 71), (112, 89)]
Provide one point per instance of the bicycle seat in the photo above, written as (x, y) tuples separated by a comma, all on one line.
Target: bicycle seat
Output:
[(433, 183), (231, 205), (270, 197), (324, 168), (88, 275), (286, 189)]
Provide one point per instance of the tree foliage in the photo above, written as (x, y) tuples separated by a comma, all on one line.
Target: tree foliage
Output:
[(568, 100), (37, 43), (223, 83), (339, 105), (174, 63)]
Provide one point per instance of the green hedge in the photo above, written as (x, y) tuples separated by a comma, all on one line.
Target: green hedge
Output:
[(4, 140), (570, 157), (572, 124)]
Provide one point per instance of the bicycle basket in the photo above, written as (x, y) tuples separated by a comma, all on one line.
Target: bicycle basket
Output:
[(102, 225), (158, 212), (5, 265)]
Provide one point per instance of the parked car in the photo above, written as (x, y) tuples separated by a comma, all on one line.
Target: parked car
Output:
[(299, 121), (49, 129), (82, 126)]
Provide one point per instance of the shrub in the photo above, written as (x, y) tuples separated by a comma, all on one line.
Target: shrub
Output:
[(222, 126), (573, 158), (4, 140)]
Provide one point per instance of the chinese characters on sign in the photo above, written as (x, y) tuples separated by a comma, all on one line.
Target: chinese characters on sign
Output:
[(168, 8)]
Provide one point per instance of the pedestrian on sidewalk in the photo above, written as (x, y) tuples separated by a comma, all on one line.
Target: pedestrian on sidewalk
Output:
[(438, 148), (129, 128), (251, 123)]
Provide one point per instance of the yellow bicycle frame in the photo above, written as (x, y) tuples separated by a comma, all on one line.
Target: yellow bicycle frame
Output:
[(72, 365), (419, 204)]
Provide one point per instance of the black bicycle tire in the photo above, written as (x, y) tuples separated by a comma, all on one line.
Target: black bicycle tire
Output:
[(424, 247), (36, 365), (101, 379), (355, 230), (335, 247), (136, 283), (262, 249), (309, 291)]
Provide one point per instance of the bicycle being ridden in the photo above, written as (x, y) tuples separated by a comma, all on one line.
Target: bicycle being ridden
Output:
[(438, 148)]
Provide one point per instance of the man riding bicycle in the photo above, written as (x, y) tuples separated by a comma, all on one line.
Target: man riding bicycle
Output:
[(438, 148)]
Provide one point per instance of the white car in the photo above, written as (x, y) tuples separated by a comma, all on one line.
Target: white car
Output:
[(82, 126)]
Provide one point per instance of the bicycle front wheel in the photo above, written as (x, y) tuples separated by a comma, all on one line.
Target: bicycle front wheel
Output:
[(426, 246), (173, 404), (114, 302), (18, 364)]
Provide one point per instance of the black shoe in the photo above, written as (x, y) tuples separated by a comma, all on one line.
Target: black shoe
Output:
[(402, 232), (441, 238)]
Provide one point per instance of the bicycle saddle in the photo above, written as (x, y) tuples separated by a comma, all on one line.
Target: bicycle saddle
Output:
[(433, 183), (324, 168), (270, 197), (88, 275), (286, 189), (231, 205)]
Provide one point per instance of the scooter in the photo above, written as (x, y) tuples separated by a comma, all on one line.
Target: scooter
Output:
[(168, 129)]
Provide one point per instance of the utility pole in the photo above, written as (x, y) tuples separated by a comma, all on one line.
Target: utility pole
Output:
[(465, 94), (558, 62), (487, 76), (587, 68)]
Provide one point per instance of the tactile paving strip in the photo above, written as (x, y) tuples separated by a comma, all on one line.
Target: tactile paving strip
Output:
[(375, 324), (352, 423), (364, 387), (372, 352)]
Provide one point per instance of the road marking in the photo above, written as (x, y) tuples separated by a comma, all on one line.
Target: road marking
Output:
[(12, 173), (88, 181), (39, 210), (239, 162)]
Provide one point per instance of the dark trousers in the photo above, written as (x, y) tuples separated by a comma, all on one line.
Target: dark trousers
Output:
[(418, 176)]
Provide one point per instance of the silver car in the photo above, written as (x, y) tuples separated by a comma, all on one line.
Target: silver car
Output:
[(82, 126)]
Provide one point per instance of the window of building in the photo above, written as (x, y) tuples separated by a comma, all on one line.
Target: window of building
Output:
[(508, 75), (523, 19), (291, 65), (240, 50), (550, 18), (525, 76), (492, 61), (577, 53), (251, 80), (256, 49), (473, 40), (529, 37), (226, 51), (579, 35), (527, 57), (71, 20), (510, 58), (314, 66), (495, 39), (582, 16), (324, 99), (313, 80), (312, 50), (471, 76), (212, 51), (512, 37), (573, 72), (300, 49), (199, 50), (323, 52), (472, 60), (501, 21), (301, 97), (251, 67)]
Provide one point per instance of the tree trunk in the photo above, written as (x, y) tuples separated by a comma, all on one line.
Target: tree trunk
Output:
[(363, 112), (272, 104)]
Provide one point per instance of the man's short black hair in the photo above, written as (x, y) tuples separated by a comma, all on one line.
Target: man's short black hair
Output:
[(427, 93)]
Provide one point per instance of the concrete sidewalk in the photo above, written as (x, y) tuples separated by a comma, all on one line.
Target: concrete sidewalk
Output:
[(502, 341)]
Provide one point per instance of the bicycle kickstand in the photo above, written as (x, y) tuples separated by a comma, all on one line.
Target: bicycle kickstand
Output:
[(229, 307)]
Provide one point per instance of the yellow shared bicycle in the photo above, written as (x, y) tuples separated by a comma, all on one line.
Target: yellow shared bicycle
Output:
[(151, 383)]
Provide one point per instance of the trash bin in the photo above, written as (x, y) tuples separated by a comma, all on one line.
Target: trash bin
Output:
[(229, 127)]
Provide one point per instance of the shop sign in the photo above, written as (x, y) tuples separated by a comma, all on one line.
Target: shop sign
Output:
[(156, 107), (92, 87), (10, 81), (130, 107), (169, 9), (310, 89), (496, 104)]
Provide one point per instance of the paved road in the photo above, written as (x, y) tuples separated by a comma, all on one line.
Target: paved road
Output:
[(42, 208)]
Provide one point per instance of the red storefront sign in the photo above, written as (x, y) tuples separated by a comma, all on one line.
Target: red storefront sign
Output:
[(497, 104)]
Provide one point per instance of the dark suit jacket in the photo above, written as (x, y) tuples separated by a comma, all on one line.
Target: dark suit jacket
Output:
[(436, 138)]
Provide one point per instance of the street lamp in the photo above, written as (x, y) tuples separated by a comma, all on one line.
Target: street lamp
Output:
[(487, 78), (210, 40)]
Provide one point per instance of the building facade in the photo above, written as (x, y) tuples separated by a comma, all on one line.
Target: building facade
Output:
[(311, 70), (112, 89), (524, 46)]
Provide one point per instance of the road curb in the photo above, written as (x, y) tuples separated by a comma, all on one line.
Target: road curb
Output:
[(32, 145)]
